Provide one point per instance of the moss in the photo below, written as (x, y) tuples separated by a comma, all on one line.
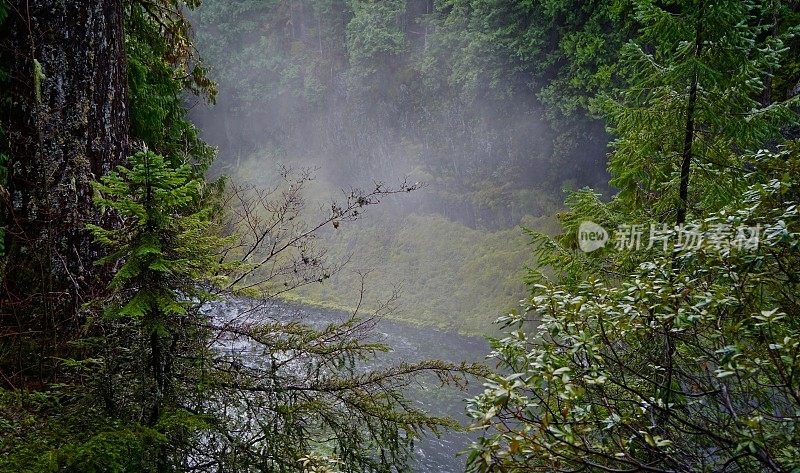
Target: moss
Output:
[(450, 276), (37, 80)]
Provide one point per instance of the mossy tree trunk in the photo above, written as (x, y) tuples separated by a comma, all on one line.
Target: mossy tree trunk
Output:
[(67, 125)]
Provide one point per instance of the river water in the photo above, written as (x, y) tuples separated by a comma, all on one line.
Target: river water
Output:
[(410, 344)]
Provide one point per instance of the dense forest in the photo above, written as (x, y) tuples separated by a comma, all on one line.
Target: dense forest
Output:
[(443, 94), (624, 172)]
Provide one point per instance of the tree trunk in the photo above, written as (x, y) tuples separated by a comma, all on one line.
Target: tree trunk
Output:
[(688, 139), (67, 125)]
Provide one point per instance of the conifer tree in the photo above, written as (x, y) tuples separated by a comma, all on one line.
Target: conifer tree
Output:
[(144, 379), (269, 411), (662, 358), (166, 251), (693, 80), (588, 385)]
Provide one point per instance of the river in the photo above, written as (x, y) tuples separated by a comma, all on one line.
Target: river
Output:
[(410, 344)]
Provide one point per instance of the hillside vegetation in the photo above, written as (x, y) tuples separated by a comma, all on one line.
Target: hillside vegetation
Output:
[(448, 275)]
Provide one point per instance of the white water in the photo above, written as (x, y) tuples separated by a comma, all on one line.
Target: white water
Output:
[(409, 344)]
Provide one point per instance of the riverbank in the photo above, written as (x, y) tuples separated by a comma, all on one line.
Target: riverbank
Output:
[(410, 322), (442, 274)]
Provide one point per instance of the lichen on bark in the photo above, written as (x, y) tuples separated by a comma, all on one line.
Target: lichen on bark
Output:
[(67, 125)]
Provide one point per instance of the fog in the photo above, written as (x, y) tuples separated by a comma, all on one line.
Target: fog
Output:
[(362, 91)]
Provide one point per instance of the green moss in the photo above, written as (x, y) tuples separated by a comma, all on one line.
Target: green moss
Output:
[(450, 276)]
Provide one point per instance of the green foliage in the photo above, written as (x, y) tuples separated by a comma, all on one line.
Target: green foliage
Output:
[(240, 36), (651, 118), (671, 359), (564, 46), (165, 251), (118, 450), (726, 52), (297, 392), (685, 365), (374, 36), (560, 52), (167, 243), (446, 275), (160, 68), (79, 439)]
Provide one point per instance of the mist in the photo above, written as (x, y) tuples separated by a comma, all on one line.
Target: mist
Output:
[(420, 236), (390, 91)]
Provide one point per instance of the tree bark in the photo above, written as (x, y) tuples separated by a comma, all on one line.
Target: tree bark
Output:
[(68, 125), (688, 139)]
